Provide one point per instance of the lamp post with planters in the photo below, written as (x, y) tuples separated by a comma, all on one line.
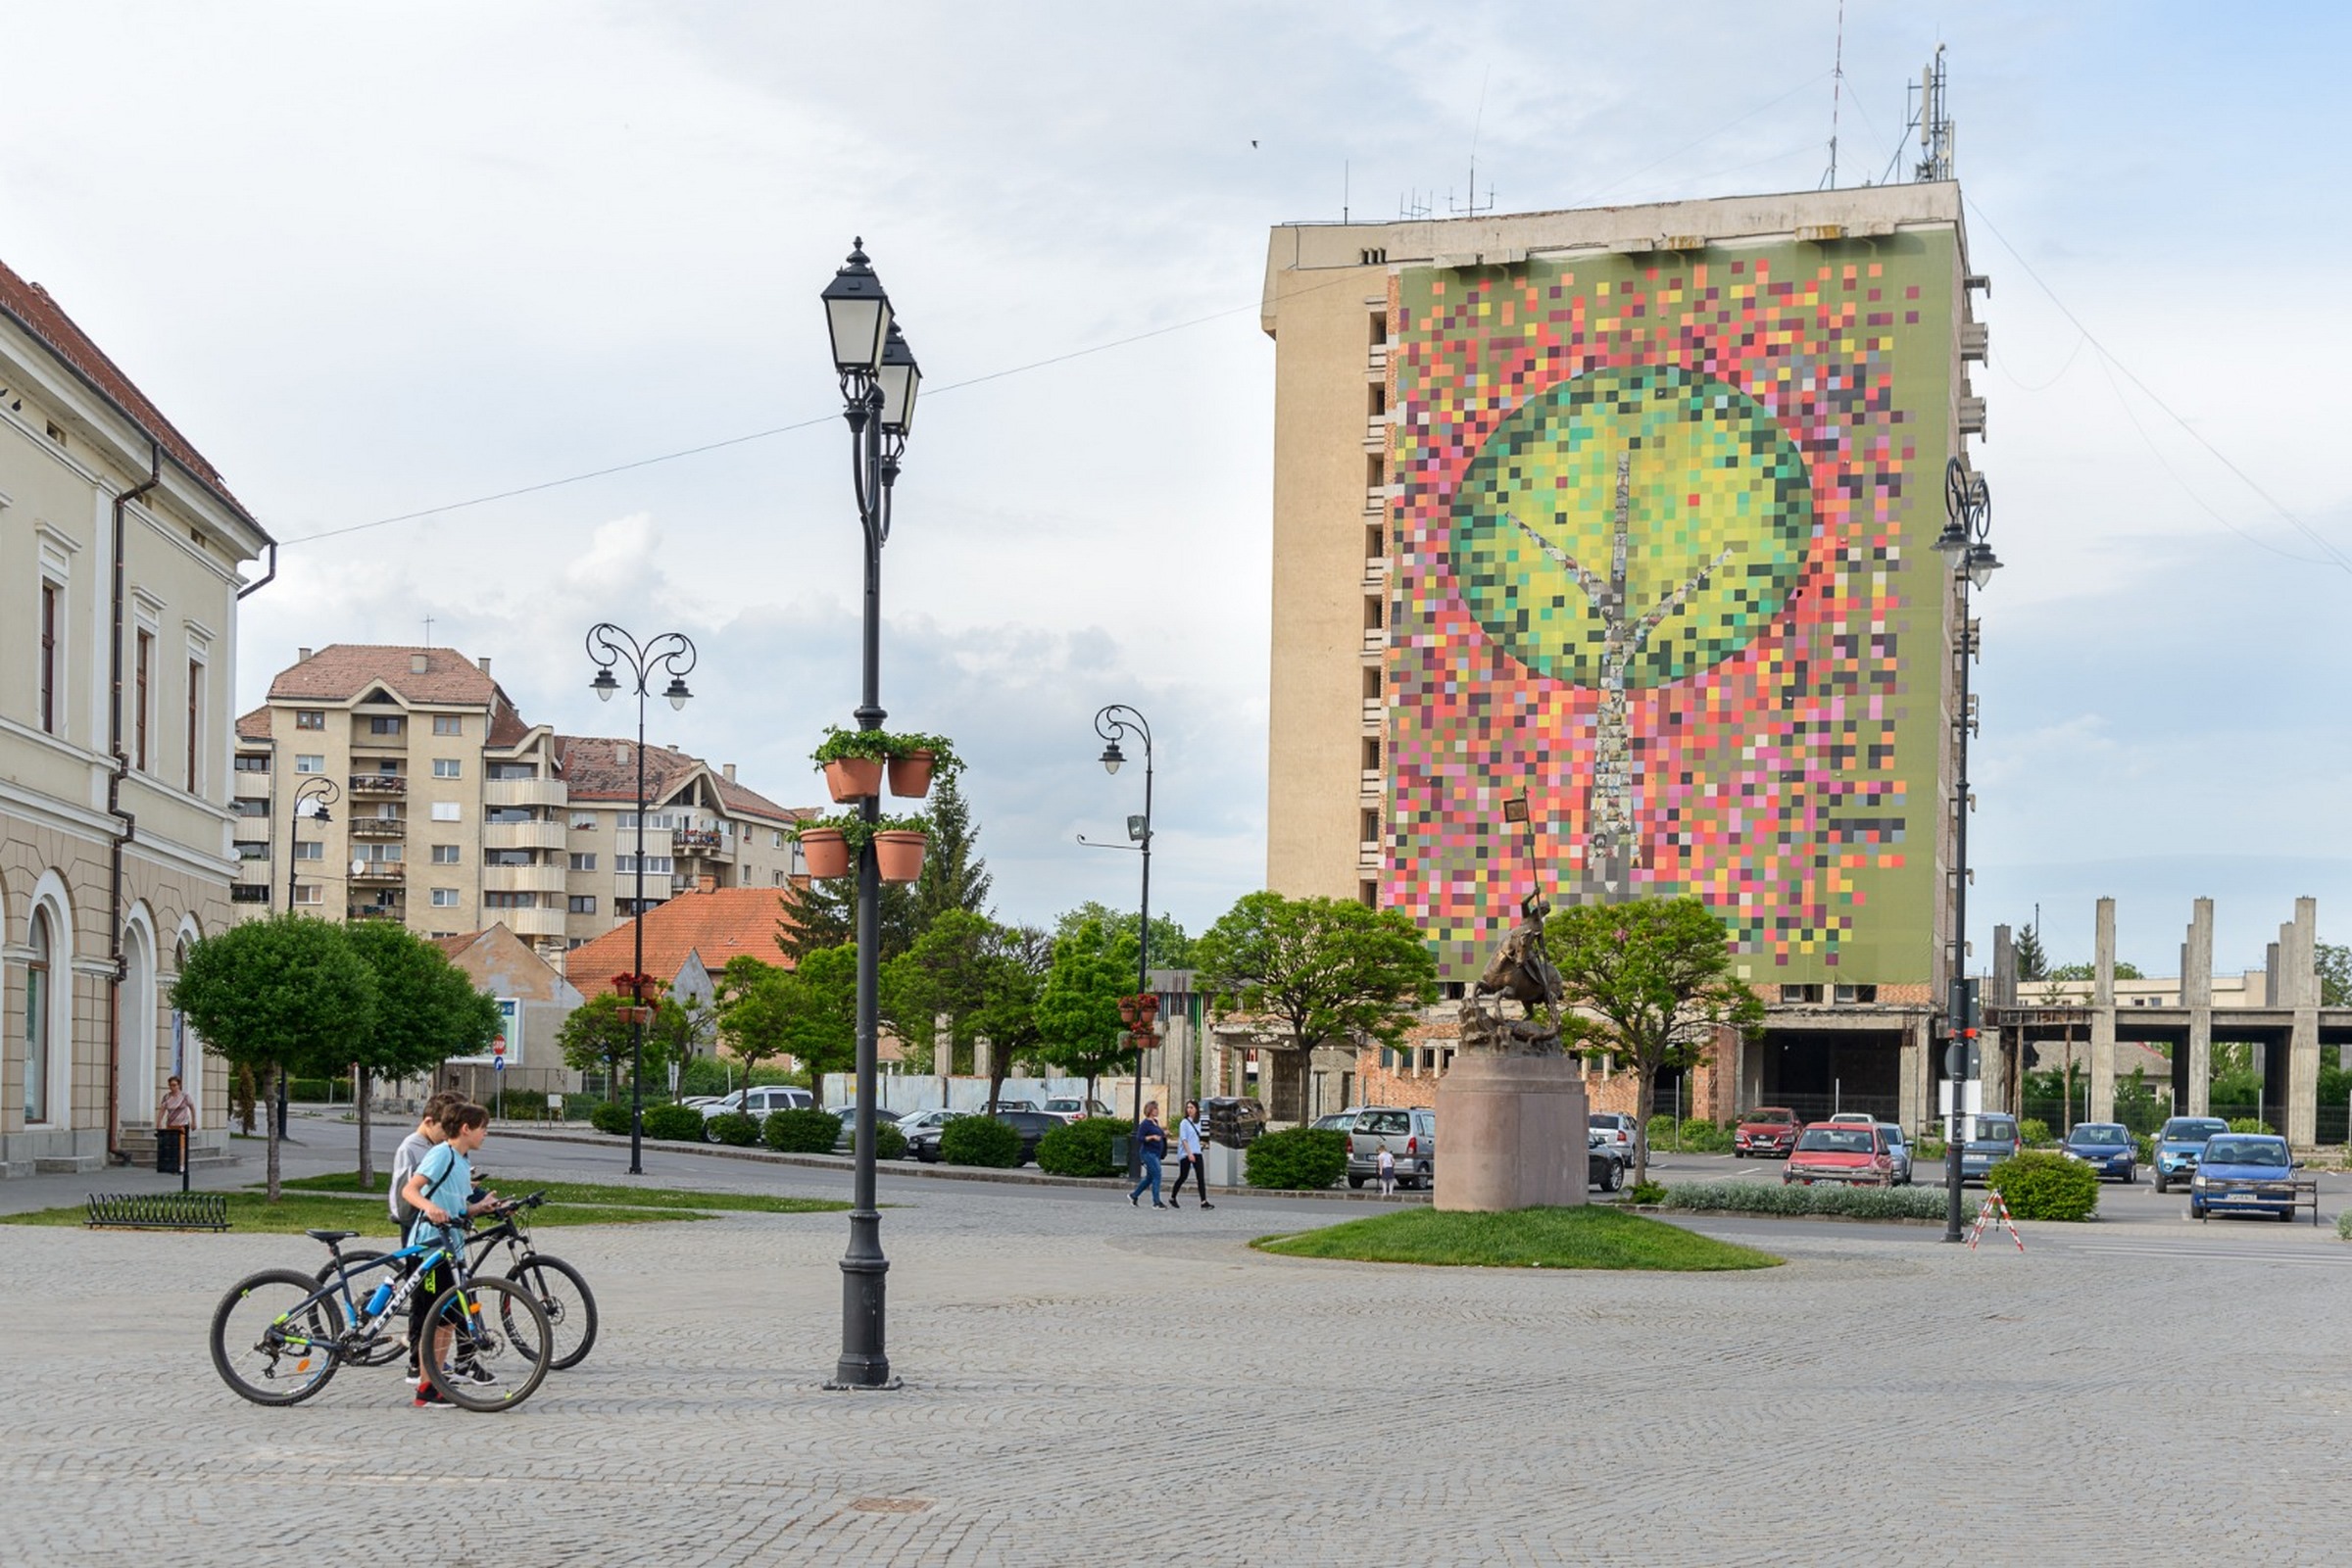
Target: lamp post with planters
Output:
[(673, 651), (879, 379), (1968, 523)]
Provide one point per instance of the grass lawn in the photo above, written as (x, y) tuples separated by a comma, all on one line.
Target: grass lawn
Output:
[(603, 1194), (1587, 1237), (253, 1213)]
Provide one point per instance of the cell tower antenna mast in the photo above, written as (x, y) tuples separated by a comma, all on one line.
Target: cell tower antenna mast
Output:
[(1836, 96), (1937, 134), (1478, 124)]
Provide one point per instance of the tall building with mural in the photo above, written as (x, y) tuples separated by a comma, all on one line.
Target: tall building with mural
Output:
[(1631, 511)]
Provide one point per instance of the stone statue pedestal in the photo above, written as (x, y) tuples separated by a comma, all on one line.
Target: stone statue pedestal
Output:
[(1511, 1133)]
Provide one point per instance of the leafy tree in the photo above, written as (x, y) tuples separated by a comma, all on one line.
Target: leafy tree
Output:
[(945, 974), (2336, 974), (816, 1011), (955, 876), (1019, 959), (2032, 963), (1651, 980), (1078, 1024), (275, 994), (1323, 969), (2087, 971), (426, 1010), (596, 1040), (1171, 948), (751, 999), (820, 914)]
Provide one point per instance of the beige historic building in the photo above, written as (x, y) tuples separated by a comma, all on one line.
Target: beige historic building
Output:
[(120, 547), (449, 811)]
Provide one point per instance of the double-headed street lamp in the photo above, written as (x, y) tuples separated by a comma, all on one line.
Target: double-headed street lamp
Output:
[(1968, 523), (673, 651), (1115, 723), (327, 791), (879, 380)]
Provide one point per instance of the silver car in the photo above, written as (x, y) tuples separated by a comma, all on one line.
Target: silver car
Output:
[(1900, 1147), (1410, 1138), (757, 1102)]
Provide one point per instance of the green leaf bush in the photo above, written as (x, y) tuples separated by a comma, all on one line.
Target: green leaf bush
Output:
[(805, 1130), (1083, 1148), (1703, 1137), (682, 1123), (979, 1141), (1297, 1159), (2033, 1132), (734, 1129), (1645, 1193), (2039, 1184), (889, 1142), (608, 1117), (2251, 1124), (1770, 1197)]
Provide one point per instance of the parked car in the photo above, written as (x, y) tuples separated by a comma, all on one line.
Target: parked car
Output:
[(2106, 1146), (1768, 1132), (848, 1140), (1410, 1136), (698, 1101), (1604, 1168), (2244, 1173), (1232, 1121), (1996, 1140), (1069, 1109), (1899, 1148), (1853, 1153), (1618, 1130), (2179, 1143), (1338, 1121), (1010, 1104), (922, 1130), (1855, 1119), (757, 1102), (1032, 1125)]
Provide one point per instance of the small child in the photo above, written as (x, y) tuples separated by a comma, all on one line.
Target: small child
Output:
[(1388, 1172)]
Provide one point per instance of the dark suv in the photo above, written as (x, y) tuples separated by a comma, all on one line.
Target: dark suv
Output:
[(1234, 1123)]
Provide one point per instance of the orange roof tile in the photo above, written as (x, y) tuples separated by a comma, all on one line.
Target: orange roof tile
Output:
[(721, 924), (254, 727), (345, 672)]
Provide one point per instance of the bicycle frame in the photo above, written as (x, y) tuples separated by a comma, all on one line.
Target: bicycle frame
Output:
[(361, 1328)]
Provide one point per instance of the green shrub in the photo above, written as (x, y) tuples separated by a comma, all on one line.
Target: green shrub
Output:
[(2250, 1124), (705, 1075), (1645, 1193), (2146, 1145), (979, 1141), (1083, 1148), (2343, 1226), (682, 1123), (1661, 1132), (889, 1142), (733, 1128), (805, 1130), (1767, 1198), (519, 1105), (1703, 1137), (608, 1117), (1297, 1159), (578, 1108), (2039, 1184), (1930, 1146), (2033, 1132), (761, 1077)]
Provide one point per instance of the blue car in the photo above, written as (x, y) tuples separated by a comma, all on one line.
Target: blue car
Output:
[(2244, 1173), (2106, 1146), (2178, 1145), (1995, 1140)]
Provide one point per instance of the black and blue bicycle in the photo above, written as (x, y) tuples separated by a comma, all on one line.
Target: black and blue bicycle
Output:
[(281, 1336)]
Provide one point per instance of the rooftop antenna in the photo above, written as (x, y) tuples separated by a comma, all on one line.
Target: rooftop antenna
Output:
[(1411, 208), (428, 631), (1478, 124), (1935, 130), (1343, 172), (1836, 95)]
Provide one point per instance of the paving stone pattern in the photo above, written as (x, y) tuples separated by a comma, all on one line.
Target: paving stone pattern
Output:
[(1088, 1383)]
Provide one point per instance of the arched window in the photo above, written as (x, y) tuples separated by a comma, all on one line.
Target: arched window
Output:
[(36, 1020)]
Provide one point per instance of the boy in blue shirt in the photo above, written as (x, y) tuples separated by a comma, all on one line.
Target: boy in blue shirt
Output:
[(438, 1191)]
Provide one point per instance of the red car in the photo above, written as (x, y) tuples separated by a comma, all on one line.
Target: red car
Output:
[(1847, 1152), (1768, 1132)]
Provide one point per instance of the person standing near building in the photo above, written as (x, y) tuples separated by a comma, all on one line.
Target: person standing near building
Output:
[(174, 1120), (1188, 1158), (1152, 1142)]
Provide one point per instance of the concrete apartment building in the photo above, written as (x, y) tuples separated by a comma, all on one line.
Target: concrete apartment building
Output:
[(451, 813), (120, 549), (1629, 512)]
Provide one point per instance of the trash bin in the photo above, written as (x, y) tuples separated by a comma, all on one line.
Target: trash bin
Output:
[(168, 1142), (1118, 1150)]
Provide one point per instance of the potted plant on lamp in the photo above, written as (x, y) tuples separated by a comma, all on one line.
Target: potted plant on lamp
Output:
[(899, 845), (825, 845), (915, 759), (831, 844), (852, 761)]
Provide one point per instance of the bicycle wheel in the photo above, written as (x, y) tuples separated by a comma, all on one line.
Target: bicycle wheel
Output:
[(565, 1299), (390, 1342), (275, 1337), (499, 1350)]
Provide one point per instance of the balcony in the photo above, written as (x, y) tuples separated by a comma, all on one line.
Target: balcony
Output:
[(542, 792), (379, 827), (522, 835), (1376, 574), (371, 912), (1376, 715), (1377, 362), (249, 893), (522, 879), (1376, 638), (376, 874), (1376, 435), (696, 841), (247, 786), (1368, 855), (624, 885), (364, 739), (378, 784), (249, 853), (527, 922), (1374, 787)]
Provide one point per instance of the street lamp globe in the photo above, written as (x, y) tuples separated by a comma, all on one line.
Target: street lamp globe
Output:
[(604, 685), (677, 693), (1113, 757), (1981, 564), (857, 315), (899, 379)]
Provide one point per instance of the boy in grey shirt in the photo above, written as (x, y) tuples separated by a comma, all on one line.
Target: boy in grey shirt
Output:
[(405, 1160)]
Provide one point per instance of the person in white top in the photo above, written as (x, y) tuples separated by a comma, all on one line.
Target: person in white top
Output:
[(1188, 1164)]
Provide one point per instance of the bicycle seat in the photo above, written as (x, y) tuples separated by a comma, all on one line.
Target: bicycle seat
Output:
[(330, 1238)]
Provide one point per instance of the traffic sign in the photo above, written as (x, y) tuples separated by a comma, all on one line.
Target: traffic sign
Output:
[(498, 1063)]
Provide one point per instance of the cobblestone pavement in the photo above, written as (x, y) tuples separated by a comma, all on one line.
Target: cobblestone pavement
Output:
[(1087, 1384)]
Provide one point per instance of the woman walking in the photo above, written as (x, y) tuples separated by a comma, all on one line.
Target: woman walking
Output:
[(1152, 1142), (1187, 1159)]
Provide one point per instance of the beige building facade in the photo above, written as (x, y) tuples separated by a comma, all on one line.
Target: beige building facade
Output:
[(120, 556)]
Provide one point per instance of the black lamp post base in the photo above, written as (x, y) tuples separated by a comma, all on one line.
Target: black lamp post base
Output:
[(843, 1383)]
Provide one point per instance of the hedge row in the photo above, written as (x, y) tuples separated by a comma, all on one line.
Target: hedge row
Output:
[(1770, 1197), (1297, 1159), (1083, 1148)]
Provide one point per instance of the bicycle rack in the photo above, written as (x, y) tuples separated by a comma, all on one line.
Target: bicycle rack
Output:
[(159, 1211)]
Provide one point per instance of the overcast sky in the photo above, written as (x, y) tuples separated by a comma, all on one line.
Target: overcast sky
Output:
[(375, 258)]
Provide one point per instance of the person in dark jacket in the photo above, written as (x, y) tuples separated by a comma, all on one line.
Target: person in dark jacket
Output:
[(1152, 1142)]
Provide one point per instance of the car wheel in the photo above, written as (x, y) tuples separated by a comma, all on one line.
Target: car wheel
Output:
[(2159, 1180), (1355, 1180), (2196, 1211), (2288, 1214), (1613, 1178), (2131, 1175)]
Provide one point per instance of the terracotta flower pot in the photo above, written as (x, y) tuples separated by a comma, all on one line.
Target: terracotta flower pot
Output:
[(910, 776), (854, 778), (826, 851), (900, 856)]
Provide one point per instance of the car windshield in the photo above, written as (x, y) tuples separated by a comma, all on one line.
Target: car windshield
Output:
[(1772, 1115), (1990, 1131), (2098, 1137), (2246, 1151), (1890, 1132), (1836, 1141), (2192, 1129)]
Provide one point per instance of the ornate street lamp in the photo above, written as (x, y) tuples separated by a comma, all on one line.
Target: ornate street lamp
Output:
[(326, 791), (1964, 545), (673, 651), (1115, 723), (879, 380)]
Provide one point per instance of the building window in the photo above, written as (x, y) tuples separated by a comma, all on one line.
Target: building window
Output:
[(1856, 993), (309, 718), (36, 1009), (445, 854), (655, 865), (511, 901), (375, 852), (445, 812), (143, 675), (388, 724), (251, 763), (583, 820), (195, 726), (308, 850), (445, 898), (249, 807), (780, 837), (583, 903), (513, 771), (584, 862), (448, 768), (310, 764), (309, 893), (448, 724), (1800, 993), (52, 673), (247, 850)]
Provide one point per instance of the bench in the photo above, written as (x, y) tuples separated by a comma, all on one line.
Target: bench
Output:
[(159, 1211)]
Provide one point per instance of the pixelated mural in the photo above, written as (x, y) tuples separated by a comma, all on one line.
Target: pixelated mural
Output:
[(1663, 561)]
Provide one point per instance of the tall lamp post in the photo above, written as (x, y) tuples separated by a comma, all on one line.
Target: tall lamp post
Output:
[(327, 791), (878, 379), (673, 651), (1115, 723), (1968, 523)]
